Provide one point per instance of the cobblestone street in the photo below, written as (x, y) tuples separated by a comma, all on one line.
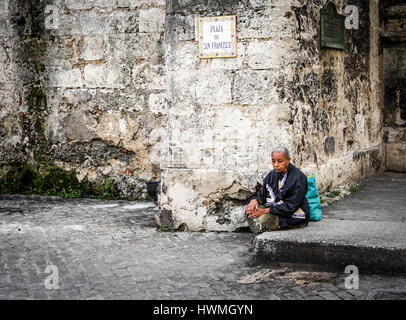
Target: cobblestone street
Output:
[(112, 250)]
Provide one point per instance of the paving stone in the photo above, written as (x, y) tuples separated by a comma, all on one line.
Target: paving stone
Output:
[(344, 295), (328, 295), (302, 292), (330, 287), (274, 297), (356, 293), (75, 236)]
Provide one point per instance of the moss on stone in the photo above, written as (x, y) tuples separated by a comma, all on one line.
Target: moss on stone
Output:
[(333, 194), (36, 100), (53, 181), (356, 187)]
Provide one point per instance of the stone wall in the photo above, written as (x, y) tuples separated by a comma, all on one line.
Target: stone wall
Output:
[(11, 137), (89, 90), (226, 115), (115, 89), (395, 88)]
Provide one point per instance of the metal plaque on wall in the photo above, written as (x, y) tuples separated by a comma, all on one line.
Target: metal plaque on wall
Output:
[(333, 32)]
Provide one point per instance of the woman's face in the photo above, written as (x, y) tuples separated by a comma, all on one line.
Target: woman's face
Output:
[(280, 162)]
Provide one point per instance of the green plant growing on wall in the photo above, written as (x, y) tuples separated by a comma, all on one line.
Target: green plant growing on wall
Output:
[(333, 194), (71, 193), (106, 189), (55, 182)]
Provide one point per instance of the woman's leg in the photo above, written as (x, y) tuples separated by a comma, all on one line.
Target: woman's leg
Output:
[(264, 223)]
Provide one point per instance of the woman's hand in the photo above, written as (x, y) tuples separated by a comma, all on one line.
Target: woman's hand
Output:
[(252, 206), (258, 212)]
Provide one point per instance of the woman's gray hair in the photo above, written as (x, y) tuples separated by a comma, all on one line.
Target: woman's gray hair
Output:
[(281, 149)]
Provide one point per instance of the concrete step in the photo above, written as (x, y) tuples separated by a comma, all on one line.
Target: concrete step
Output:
[(373, 246)]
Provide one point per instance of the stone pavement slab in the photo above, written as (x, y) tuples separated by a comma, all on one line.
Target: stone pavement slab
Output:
[(367, 229), (383, 198), (113, 250), (378, 246)]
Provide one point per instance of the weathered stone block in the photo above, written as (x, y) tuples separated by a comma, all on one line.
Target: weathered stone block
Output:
[(132, 46), (5, 29), (213, 88), (105, 76), (157, 103), (9, 97), (152, 20), (252, 87), (113, 100), (116, 128), (96, 23), (65, 78), (154, 153), (261, 4), (231, 63), (272, 23), (125, 21), (178, 6), (181, 27), (396, 157), (79, 5), (185, 89), (62, 52), (93, 48), (77, 97), (88, 4), (195, 209), (76, 126), (7, 73), (160, 3), (269, 54), (184, 56), (104, 3), (255, 25), (150, 77), (132, 3), (394, 135), (68, 25)]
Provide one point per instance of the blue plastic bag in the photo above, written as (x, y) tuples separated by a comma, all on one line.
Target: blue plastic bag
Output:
[(313, 197)]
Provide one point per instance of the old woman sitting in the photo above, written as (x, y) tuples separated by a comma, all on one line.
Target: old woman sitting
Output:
[(281, 202)]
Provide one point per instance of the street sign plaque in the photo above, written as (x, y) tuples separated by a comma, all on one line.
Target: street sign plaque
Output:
[(217, 37), (333, 32)]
